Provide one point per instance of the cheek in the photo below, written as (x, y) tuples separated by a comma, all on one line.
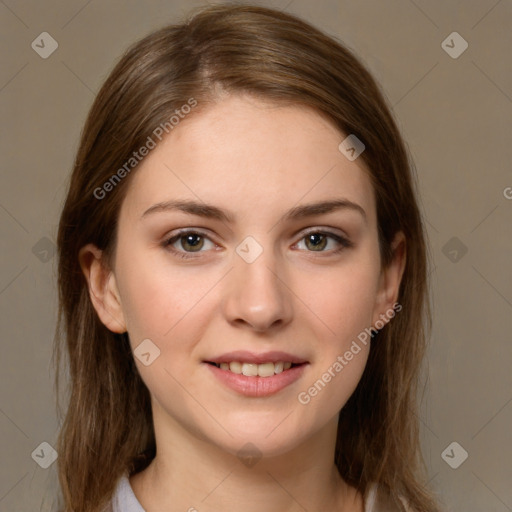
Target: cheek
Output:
[(170, 307), (157, 298), (342, 300), (342, 354)]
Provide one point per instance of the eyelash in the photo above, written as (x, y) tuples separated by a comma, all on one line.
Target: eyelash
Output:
[(167, 243)]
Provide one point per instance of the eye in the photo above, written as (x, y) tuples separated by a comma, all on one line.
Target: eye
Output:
[(318, 241), (188, 242)]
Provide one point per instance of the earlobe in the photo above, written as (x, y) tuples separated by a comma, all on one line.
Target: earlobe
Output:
[(390, 279), (103, 290)]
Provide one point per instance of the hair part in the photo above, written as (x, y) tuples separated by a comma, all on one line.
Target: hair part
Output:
[(233, 49)]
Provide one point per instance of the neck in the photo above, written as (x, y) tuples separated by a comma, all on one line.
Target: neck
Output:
[(191, 474)]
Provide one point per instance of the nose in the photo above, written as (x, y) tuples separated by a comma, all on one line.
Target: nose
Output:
[(256, 296)]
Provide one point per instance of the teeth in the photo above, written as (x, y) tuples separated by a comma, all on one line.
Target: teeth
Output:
[(235, 367), (250, 370), (266, 369), (255, 370), (278, 367)]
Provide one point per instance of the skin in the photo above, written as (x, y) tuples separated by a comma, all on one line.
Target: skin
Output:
[(256, 160)]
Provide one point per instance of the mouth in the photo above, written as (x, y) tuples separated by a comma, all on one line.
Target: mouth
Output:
[(264, 370), (256, 375)]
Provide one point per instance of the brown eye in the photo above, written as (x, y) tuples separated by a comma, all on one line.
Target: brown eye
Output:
[(316, 241), (185, 243), (324, 242), (192, 242)]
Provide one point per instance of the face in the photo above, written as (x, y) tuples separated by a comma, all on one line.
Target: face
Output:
[(224, 263)]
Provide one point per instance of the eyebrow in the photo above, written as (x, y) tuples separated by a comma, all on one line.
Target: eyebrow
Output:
[(298, 212)]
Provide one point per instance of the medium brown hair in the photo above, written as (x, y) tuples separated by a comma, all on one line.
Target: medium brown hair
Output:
[(108, 427)]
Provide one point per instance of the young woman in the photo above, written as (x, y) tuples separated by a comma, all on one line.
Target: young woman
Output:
[(242, 275)]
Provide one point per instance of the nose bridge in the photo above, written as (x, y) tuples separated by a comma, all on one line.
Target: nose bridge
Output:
[(257, 295)]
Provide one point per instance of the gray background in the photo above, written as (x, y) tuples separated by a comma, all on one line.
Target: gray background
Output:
[(454, 113)]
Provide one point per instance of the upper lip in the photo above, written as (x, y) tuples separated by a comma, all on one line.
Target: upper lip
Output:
[(244, 356)]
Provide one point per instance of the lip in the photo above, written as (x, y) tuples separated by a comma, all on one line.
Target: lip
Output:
[(245, 356), (257, 386)]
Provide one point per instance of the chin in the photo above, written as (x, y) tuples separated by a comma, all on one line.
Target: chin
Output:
[(244, 447), (266, 441)]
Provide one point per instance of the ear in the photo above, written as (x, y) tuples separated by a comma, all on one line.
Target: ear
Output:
[(102, 288), (389, 281)]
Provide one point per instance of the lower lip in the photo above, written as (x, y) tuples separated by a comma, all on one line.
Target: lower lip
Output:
[(257, 386)]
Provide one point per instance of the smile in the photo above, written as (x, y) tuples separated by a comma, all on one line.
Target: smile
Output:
[(256, 375), (264, 370)]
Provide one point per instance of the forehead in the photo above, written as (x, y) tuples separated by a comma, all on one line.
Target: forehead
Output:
[(244, 154)]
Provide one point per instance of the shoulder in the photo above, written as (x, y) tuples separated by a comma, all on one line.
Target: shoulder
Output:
[(124, 499), (378, 499)]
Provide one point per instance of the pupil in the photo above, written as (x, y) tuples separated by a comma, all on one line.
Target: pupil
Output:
[(193, 241), (320, 240)]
